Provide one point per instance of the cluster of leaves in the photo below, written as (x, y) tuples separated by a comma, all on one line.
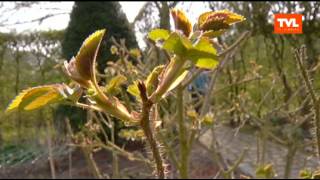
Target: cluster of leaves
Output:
[(188, 47), (183, 45)]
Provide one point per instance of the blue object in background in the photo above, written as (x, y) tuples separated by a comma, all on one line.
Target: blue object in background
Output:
[(201, 83)]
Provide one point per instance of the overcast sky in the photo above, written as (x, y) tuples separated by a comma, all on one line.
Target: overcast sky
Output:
[(131, 8)]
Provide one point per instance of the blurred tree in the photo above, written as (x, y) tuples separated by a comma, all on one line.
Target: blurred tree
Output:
[(85, 18)]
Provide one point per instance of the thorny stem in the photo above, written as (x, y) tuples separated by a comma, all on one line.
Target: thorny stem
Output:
[(145, 124), (184, 146)]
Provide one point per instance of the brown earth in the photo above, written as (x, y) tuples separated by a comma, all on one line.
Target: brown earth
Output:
[(201, 167)]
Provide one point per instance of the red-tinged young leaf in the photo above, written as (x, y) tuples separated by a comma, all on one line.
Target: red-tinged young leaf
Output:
[(86, 54), (181, 22), (218, 20)]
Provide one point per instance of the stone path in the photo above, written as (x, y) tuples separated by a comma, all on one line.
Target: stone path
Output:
[(231, 147)]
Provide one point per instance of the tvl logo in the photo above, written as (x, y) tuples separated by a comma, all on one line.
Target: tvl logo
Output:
[(288, 23)]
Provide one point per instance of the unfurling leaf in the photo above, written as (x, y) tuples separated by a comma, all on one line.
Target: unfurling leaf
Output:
[(181, 22), (153, 79), (119, 106), (113, 87), (218, 20), (36, 97), (158, 34), (70, 70), (86, 54)]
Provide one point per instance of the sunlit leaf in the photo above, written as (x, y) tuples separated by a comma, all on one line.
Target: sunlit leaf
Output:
[(203, 54), (305, 174), (120, 106), (134, 90), (203, 17), (131, 134), (158, 34), (50, 97), (181, 22), (152, 79), (36, 97), (114, 84), (177, 44), (85, 56), (205, 46), (208, 119), (218, 20), (265, 171), (114, 49), (206, 63), (135, 53), (192, 113), (213, 34), (177, 81)]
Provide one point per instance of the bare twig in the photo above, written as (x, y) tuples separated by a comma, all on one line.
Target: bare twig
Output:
[(300, 55)]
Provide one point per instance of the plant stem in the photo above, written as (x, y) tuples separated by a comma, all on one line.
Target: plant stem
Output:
[(51, 160), (300, 55), (115, 161), (184, 148), (292, 149), (87, 154), (145, 124)]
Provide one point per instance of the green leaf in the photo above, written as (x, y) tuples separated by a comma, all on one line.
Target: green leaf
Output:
[(152, 79), (205, 46), (213, 34), (36, 97), (203, 54), (134, 90), (265, 171), (131, 134), (305, 174), (208, 119), (158, 34), (86, 54), (177, 81), (113, 87), (206, 63), (181, 21), (177, 44)]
